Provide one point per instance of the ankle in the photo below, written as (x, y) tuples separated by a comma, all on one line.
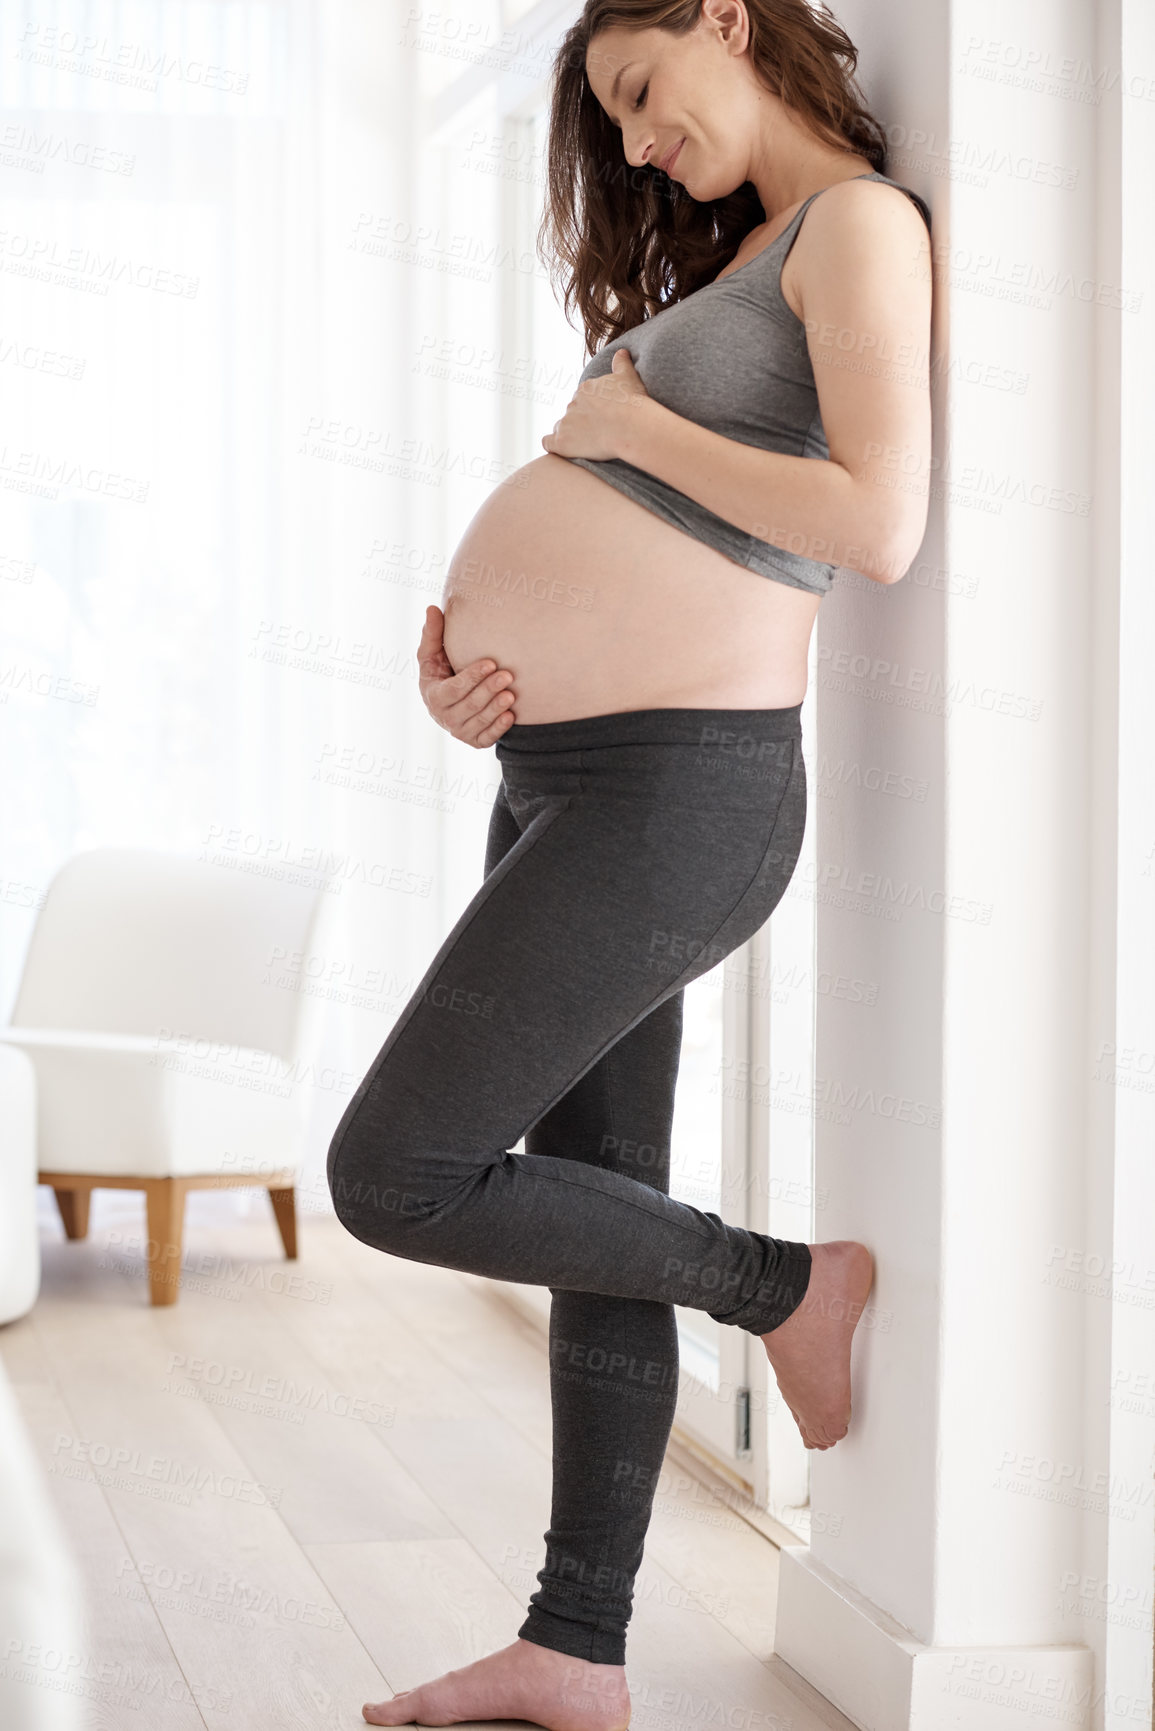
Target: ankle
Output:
[(590, 1671)]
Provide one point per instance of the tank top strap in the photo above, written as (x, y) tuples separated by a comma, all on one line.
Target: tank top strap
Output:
[(922, 206), (777, 250), (780, 246), (782, 243), (791, 226)]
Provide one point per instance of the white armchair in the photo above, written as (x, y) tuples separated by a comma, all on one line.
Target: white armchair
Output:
[(168, 1053)]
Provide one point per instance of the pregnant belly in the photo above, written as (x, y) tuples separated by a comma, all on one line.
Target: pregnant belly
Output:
[(596, 605)]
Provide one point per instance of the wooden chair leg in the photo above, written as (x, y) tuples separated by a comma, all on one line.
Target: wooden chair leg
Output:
[(285, 1209), (165, 1234), (73, 1206)]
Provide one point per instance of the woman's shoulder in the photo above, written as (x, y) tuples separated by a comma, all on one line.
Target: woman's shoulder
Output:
[(854, 221), (868, 193), (857, 233)]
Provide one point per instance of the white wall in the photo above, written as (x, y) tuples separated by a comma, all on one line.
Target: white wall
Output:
[(1113, 1597), (995, 1494)]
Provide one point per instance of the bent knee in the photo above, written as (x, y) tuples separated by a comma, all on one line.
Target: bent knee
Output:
[(376, 1207), (381, 1190)]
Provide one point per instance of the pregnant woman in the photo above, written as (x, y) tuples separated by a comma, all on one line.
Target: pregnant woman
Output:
[(628, 618)]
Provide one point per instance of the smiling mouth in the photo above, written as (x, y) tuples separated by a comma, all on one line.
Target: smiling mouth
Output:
[(670, 157)]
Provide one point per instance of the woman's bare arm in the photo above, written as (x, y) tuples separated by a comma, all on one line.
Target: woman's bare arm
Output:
[(862, 267)]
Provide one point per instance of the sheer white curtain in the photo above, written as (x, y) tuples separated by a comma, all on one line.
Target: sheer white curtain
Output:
[(210, 473)]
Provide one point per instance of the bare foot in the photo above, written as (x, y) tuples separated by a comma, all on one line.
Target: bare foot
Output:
[(810, 1351), (521, 1681)]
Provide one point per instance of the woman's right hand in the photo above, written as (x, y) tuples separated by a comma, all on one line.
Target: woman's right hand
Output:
[(474, 705)]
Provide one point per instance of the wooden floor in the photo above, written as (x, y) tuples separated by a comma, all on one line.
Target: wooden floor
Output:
[(312, 1484)]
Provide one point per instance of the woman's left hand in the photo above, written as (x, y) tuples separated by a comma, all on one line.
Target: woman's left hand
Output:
[(602, 413)]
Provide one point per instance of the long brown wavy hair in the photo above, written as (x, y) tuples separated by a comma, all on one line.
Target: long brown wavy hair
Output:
[(625, 242)]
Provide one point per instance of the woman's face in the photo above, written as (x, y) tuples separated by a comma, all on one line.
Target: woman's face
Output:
[(685, 104)]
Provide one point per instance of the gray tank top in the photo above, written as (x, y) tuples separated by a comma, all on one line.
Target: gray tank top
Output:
[(732, 356)]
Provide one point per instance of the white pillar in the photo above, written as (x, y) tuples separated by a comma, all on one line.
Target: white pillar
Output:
[(989, 1517)]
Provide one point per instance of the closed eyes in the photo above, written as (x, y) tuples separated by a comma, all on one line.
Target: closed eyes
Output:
[(642, 97)]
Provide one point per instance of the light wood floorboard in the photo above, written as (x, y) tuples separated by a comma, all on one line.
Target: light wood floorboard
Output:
[(308, 1485)]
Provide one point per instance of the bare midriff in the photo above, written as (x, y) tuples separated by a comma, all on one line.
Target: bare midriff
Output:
[(596, 605)]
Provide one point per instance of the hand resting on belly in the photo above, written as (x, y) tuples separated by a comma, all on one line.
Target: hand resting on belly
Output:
[(474, 705)]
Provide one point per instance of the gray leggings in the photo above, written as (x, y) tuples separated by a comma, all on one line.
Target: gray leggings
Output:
[(628, 854)]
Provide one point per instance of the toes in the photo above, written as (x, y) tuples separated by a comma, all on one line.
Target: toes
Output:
[(384, 1712)]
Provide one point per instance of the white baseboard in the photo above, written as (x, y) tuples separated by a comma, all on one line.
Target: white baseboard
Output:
[(874, 1671)]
